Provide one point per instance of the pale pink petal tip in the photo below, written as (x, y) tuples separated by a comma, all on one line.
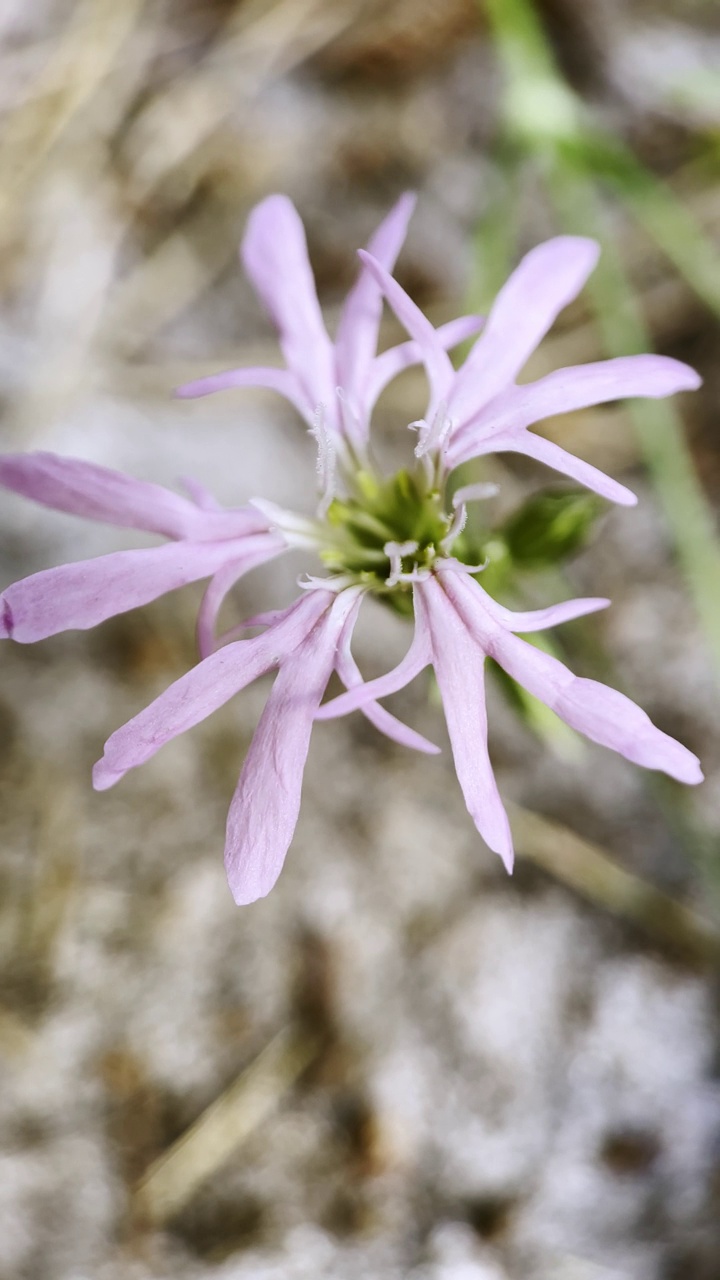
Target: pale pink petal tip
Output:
[(683, 765), (688, 378), (191, 390), (103, 777), (507, 854)]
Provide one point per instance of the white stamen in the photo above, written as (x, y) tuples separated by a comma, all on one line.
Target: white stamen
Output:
[(336, 583), (475, 493), (432, 436), (451, 563), (349, 414), (326, 460), (458, 524)]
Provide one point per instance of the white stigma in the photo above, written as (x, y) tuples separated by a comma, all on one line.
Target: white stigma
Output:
[(395, 551)]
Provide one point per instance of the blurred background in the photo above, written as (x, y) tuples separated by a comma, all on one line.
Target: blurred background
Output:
[(402, 1063)]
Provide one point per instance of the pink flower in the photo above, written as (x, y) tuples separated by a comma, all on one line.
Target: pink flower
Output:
[(396, 538), (458, 625), (480, 408)]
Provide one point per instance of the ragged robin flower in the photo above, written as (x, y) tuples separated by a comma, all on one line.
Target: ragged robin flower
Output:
[(400, 539)]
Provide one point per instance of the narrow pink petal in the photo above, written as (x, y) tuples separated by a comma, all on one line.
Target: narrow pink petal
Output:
[(229, 524), (256, 551), (202, 690), (552, 455), (458, 662), (78, 596), (548, 277), (453, 332), (274, 253), (268, 618), (418, 657), (541, 619), (601, 713), (437, 362), (357, 333), (97, 493), (264, 810), (349, 673), (203, 497), (577, 387), (215, 522), (390, 363), (610, 718), (86, 489), (280, 380)]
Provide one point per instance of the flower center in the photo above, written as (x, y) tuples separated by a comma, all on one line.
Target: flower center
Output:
[(389, 532)]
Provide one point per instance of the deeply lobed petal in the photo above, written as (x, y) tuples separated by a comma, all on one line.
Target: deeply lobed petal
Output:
[(264, 810), (552, 455), (594, 709), (78, 596), (349, 673), (566, 390), (98, 493), (458, 667), (540, 619), (86, 489), (205, 688), (604, 715), (257, 551), (418, 656)]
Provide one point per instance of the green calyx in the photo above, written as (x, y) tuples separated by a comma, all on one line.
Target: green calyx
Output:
[(550, 527), (400, 510)]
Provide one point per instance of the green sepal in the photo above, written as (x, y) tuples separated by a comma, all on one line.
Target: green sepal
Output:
[(549, 527)]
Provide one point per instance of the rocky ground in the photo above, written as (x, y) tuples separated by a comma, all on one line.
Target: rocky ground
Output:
[(402, 1063)]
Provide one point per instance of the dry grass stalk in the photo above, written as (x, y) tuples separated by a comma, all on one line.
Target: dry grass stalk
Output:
[(172, 1180), (80, 60), (586, 868), (260, 43)]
